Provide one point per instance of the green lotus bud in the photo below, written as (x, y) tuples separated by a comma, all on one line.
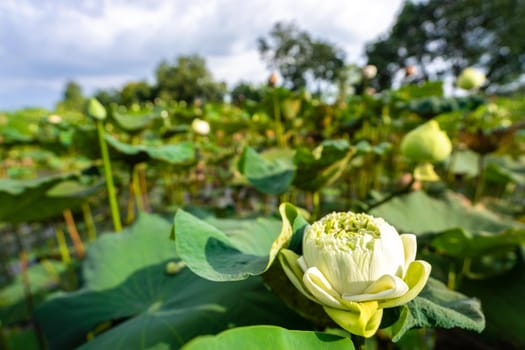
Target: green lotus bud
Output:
[(426, 143), (355, 265), (471, 78), (96, 110), (173, 267)]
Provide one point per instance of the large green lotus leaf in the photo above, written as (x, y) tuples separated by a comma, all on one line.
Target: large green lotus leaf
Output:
[(12, 137), (497, 168), (73, 189), (322, 166), (502, 297), (432, 106), (461, 244), (243, 249), (20, 339), (43, 278), (505, 169), (133, 123), (419, 213), (269, 337), (160, 311), (439, 307), (180, 154), (85, 141), (411, 91), (42, 198), (270, 173), (114, 257), (464, 162), (126, 281)]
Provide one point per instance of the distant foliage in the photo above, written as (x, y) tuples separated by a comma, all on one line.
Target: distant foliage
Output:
[(73, 98), (298, 57), (433, 38), (187, 80)]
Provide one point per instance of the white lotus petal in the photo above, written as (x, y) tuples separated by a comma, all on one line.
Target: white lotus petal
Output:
[(321, 289), (410, 248), (386, 287), (302, 263)]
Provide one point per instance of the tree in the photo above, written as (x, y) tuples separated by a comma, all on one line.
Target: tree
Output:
[(299, 58), (73, 97), (243, 92), (107, 97), (189, 79), (442, 37), (135, 92)]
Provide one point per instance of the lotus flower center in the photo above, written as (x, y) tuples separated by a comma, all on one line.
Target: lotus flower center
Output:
[(345, 231)]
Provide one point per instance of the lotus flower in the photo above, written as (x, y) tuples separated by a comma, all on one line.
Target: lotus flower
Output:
[(355, 265), (369, 71), (471, 78), (54, 119), (200, 126)]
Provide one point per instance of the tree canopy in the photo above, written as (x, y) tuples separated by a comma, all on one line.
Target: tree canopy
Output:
[(440, 37), (73, 98), (187, 80), (300, 58)]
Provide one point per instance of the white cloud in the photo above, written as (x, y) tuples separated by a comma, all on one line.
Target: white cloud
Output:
[(102, 42), (242, 66)]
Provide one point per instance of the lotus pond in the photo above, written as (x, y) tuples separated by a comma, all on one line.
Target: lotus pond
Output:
[(170, 225)]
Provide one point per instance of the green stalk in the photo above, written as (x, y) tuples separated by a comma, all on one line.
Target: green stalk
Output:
[(393, 195), (130, 217), (135, 185), (90, 223), (278, 122), (3, 340), (66, 257), (451, 163), (109, 178), (480, 182), (24, 264), (62, 246), (316, 201), (143, 186), (452, 276)]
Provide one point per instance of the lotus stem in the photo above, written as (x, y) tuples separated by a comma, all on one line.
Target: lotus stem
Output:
[(90, 223), (393, 195), (50, 270), (316, 201), (278, 122), (62, 246), (451, 280), (131, 207), (24, 262), (66, 257), (480, 182), (135, 182), (143, 186), (3, 340), (451, 163), (117, 225), (73, 233)]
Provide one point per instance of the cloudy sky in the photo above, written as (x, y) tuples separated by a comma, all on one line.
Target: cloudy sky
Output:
[(105, 43)]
